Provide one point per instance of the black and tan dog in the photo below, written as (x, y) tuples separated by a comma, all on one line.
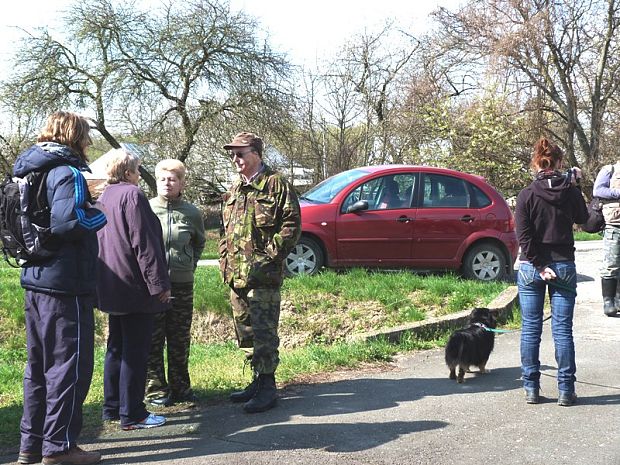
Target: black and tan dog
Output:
[(472, 345)]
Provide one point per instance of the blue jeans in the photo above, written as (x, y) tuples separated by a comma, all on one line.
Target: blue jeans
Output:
[(532, 290)]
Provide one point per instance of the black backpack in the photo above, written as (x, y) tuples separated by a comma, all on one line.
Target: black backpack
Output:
[(25, 219), (596, 220)]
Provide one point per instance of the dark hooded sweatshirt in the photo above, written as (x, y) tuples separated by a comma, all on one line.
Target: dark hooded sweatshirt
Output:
[(545, 213)]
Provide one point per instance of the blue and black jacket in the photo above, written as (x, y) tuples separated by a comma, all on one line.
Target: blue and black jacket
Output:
[(74, 222)]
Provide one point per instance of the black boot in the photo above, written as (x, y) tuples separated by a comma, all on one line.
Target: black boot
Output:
[(247, 393), (265, 397), (609, 286)]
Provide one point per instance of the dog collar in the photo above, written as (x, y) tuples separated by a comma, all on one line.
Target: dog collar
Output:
[(493, 330)]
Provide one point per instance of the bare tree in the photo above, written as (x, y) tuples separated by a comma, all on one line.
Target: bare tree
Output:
[(349, 106), (377, 64), (169, 70), (562, 55)]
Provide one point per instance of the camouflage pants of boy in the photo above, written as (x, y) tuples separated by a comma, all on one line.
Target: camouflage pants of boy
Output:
[(256, 315), (172, 328)]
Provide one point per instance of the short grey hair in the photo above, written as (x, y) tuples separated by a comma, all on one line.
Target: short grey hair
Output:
[(119, 163)]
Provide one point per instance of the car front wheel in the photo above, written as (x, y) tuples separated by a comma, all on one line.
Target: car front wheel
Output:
[(485, 262), (306, 258)]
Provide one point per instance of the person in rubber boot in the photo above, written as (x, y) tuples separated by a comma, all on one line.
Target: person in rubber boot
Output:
[(261, 225)]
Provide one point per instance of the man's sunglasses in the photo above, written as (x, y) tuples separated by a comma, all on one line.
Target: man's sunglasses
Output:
[(239, 154)]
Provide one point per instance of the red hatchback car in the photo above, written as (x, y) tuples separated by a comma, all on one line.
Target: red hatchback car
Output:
[(397, 216)]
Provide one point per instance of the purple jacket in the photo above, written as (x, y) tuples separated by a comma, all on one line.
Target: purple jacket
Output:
[(132, 268), (602, 187)]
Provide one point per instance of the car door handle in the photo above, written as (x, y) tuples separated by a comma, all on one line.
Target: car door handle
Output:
[(404, 219), (467, 219)]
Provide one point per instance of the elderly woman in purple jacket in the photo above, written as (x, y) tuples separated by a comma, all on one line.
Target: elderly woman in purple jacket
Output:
[(132, 285)]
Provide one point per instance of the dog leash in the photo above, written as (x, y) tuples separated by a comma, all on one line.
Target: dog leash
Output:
[(494, 330), (562, 285)]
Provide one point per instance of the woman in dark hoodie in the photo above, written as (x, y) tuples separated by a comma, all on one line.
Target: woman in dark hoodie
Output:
[(545, 213)]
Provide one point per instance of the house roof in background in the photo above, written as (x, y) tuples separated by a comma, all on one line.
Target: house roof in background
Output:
[(98, 166)]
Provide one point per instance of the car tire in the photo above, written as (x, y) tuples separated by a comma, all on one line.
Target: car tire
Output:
[(306, 258), (485, 262)]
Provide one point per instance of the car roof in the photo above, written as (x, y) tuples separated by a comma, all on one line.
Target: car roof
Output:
[(433, 169)]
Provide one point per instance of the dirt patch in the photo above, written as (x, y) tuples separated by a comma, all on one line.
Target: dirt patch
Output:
[(322, 318), (209, 328), (300, 324), (307, 322)]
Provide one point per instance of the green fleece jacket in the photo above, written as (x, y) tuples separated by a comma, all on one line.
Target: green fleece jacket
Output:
[(184, 236)]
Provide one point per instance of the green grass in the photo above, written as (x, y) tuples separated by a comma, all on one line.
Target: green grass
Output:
[(210, 293), (584, 236), (331, 303), (210, 251), (12, 318)]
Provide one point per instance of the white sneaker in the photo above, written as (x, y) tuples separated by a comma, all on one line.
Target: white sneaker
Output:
[(152, 421)]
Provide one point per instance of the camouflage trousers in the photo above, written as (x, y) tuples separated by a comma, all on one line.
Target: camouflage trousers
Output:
[(610, 266), (256, 313), (172, 329)]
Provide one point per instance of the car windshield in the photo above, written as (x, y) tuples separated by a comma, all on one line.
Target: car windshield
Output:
[(325, 191)]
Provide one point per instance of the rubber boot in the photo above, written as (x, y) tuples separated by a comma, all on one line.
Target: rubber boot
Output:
[(247, 394), (609, 287), (265, 397)]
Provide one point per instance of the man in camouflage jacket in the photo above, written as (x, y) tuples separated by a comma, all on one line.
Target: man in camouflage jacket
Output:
[(262, 224)]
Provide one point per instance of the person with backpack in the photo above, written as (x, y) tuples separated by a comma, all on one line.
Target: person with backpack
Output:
[(607, 188), (59, 298)]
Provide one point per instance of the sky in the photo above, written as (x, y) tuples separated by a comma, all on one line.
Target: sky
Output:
[(307, 30)]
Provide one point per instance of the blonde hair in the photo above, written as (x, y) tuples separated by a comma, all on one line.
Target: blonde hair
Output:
[(119, 163), (171, 165), (68, 129)]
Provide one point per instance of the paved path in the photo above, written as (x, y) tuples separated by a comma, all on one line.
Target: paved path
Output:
[(412, 414)]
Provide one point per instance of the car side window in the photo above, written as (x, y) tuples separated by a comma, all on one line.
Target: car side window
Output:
[(368, 191), (445, 192), (481, 199), (384, 193)]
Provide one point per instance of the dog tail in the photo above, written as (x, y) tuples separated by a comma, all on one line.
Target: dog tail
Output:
[(454, 348)]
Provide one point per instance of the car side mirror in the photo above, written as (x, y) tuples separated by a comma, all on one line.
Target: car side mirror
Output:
[(358, 206)]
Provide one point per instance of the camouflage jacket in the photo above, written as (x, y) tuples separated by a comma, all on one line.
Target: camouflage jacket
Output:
[(261, 225)]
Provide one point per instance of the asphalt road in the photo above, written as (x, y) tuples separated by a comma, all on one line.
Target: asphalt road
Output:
[(411, 413)]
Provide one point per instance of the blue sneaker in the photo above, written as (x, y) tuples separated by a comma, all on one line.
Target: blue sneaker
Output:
[(152, 421)]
